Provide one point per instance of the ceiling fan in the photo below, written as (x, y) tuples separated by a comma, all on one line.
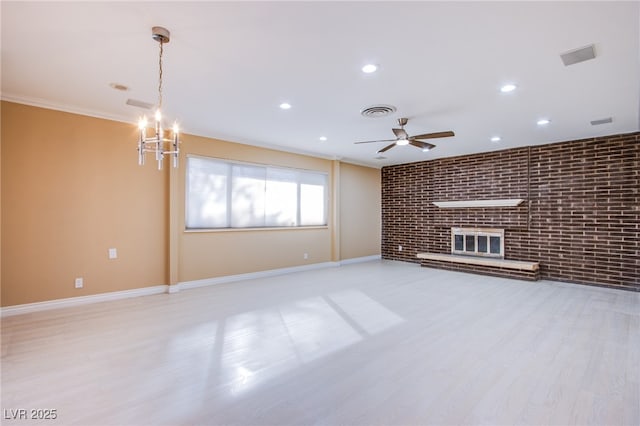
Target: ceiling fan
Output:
[(402, 138)]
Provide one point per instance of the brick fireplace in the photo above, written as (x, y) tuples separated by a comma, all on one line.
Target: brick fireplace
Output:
[(579, 218)]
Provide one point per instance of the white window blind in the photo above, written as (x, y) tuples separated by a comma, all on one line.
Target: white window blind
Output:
[(281, 206), (207, 194), (247, 196), (313, 188), (222, 194)]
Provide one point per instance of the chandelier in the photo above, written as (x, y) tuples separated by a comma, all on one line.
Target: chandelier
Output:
[(163, 142)]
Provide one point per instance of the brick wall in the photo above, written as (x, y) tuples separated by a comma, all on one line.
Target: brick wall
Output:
[(580, 218)]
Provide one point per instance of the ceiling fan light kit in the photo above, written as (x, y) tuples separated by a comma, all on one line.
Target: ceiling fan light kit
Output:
[(403, 138)]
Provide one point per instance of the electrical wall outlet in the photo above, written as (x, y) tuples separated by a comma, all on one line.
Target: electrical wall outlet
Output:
[(399, 248), (79, 283), (113, 253), (305, 256)]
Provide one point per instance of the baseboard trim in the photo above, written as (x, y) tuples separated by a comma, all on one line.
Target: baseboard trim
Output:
[(361, 259), (185, 285), (80, 300)]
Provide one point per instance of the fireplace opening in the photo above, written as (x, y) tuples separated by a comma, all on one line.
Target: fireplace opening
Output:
[(488, 242)]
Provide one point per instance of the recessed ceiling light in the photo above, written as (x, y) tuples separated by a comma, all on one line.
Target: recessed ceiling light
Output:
[(496, 139), (369, 68), (543, 122), (323, 138), (285, 105), (510, 87)]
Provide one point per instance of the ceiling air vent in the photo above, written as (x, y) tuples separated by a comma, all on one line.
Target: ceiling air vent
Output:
[(377, 111), (578, 55), (139, 104), (602, 121)]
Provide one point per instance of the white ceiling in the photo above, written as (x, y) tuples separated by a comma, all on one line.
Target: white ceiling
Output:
[(230, 64)]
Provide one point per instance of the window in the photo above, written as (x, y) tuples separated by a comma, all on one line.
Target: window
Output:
[(222, 194)]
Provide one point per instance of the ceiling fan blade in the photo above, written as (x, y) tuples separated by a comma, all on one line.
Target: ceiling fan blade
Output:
[(386, 148), (422, 145), (433, 135), (400, 133), (384, 140)]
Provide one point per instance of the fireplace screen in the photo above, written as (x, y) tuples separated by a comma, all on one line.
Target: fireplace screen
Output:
[(478, 242)]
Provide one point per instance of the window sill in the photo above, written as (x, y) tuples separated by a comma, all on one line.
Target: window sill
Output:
[(274, 228)]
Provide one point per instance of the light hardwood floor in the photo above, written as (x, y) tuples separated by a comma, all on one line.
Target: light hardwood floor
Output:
[(371, 343)]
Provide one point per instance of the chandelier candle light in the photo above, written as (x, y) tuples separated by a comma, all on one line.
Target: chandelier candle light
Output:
[(162, 138)]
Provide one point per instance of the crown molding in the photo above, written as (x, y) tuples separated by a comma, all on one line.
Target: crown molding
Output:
[(47, 104)]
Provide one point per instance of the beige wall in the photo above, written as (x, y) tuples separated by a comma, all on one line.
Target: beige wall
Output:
[(360, 214), (229, 252), (71, 188)]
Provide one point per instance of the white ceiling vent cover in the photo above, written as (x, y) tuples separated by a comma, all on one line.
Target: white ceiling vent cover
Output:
[(377, 111), (578, 55), (139, 104)]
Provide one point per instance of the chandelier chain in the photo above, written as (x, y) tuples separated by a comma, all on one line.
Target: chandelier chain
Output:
[(160, 77)]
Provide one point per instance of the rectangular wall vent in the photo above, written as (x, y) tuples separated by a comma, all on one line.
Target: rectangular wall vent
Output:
[(602, 121), (139, 104), (578, 55)]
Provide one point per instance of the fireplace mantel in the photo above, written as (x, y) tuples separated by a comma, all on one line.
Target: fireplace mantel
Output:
[(507, 202)]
